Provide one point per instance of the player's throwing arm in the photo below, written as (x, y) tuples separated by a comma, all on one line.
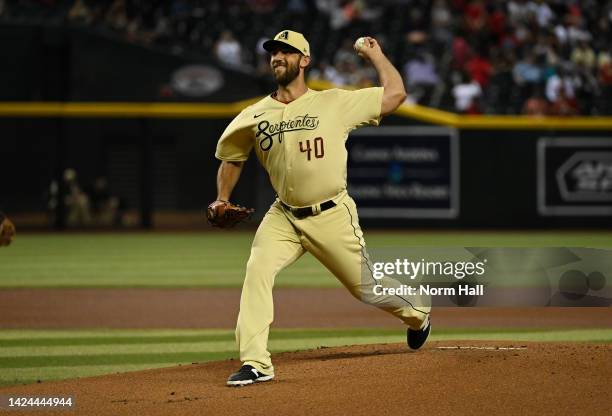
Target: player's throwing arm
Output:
[(390, 79)]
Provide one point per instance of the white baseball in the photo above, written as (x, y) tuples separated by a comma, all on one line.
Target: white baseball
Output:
[(359, 43)]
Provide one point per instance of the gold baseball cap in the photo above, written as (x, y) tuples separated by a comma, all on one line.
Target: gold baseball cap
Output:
[(288, 37)]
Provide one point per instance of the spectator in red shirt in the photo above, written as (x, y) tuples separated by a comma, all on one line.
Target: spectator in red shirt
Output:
[(479, 69), (461, 52), (475, 16), (605, 68), (563, 106), (536, 105), (497, 22)]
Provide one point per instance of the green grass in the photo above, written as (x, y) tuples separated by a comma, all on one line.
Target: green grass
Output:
[(206, 260), (212, 259), (30, 355)]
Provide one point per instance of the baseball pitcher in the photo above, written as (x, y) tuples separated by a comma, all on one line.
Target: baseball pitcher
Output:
[(299, 137)]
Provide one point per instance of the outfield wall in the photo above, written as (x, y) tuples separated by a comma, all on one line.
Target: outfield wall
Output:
[(159, 157), (507, 177)]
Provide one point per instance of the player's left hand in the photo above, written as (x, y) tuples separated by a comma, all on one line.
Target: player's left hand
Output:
[(224, 214), (7, 232), (370, 49)]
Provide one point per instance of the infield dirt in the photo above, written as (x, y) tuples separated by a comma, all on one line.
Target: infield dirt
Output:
[(493, 377), (509, 379)]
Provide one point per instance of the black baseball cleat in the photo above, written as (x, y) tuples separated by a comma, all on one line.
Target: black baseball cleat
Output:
[(417, 338), (247, 375)]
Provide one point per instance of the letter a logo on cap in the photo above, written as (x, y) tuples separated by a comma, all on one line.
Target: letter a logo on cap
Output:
[(297, 41)]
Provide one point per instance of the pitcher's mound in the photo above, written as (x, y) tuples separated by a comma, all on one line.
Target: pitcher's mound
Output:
[(466, 377)]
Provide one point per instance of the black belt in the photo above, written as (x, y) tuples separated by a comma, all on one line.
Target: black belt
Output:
[(307, 211)]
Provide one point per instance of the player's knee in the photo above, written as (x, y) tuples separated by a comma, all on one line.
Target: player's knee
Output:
[(361, 292), (259, 267), (368, 293)]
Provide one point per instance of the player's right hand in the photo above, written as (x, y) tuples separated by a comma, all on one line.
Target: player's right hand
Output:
[(370, 50)]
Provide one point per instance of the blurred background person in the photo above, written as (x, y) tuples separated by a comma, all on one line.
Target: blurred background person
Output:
[(536, 104), (467, 93), (228, 50), (420, 77), (77, 201), (105, 207)]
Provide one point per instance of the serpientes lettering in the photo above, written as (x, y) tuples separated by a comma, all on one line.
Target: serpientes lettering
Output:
[(266, 130)]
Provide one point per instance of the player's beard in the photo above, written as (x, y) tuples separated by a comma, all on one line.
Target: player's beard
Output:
[(290, 73)]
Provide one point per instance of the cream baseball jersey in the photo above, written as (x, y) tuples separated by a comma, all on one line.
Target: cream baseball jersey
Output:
[(302, 144)]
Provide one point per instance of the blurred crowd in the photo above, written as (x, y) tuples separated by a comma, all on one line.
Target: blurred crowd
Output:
[(536, 57), (93, 205)]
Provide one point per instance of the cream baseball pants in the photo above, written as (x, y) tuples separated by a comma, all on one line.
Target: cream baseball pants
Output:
[(336, 240)]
